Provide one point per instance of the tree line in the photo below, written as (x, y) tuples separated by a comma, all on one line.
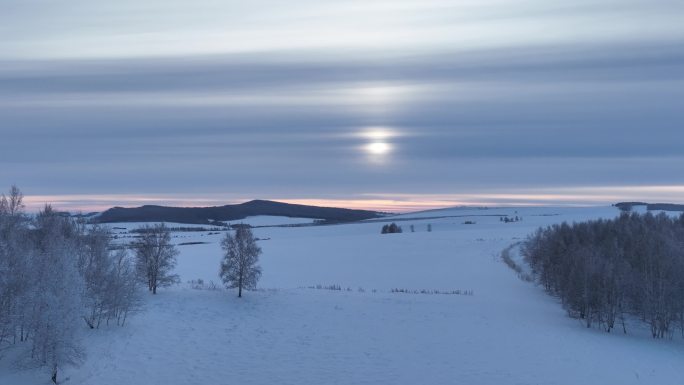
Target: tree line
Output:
[(606, 270)]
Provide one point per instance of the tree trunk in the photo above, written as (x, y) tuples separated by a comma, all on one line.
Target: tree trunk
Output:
[(87, 321)]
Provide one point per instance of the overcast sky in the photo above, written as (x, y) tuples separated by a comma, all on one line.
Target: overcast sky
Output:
[(394, 105)]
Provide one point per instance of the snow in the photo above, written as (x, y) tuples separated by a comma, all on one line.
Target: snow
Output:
[(508, 332), (127, 226), (257, 220), (270, 220)]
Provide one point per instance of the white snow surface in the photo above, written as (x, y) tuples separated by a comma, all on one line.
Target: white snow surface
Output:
[(508, 332), (257, 220), (270, 220)]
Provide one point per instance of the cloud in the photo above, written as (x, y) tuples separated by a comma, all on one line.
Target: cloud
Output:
[(129, 28), (479, 97)]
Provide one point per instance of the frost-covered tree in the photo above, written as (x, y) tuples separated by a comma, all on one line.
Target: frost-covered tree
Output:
[(15, 259), (604, 270), (95, 266), (124, 294), (53, 271), (240, 268), (155, 257), (110, 279), (55, 299)]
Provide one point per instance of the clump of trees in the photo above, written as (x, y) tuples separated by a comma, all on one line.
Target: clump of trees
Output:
[(604, 270), (155, 257), (111, 287), (55, 273), (240, 266), (391, 229)]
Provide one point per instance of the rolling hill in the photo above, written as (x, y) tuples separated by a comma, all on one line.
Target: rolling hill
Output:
[(208, 215)]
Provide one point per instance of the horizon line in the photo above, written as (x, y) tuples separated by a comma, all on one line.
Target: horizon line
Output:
[(382, 202)]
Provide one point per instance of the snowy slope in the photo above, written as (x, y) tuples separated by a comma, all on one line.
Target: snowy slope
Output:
[(258, 220), (507, 332), (269, 220)]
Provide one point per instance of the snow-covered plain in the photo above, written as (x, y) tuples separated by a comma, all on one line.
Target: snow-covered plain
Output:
[(255, 221), (508, 332)]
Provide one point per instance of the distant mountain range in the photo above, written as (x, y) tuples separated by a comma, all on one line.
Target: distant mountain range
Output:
[(627, 206), (231, 213)]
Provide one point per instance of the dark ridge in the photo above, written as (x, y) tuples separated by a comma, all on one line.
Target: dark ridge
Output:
[(627, 206), (228, 213), (665, 206)]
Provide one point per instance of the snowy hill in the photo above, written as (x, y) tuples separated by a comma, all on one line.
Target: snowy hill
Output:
[(295, 330)]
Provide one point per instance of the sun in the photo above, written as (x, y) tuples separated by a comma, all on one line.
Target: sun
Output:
[(378, 148)]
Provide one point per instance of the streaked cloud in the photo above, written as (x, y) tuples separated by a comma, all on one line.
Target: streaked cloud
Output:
[(331, 101), (128, 28)]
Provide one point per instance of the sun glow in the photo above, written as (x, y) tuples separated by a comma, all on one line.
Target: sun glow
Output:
[(378, 141), (378, 148), (379, 134)]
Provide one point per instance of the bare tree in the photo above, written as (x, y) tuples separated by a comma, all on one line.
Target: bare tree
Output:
[(239, 267), (156, 257), (12, 205)]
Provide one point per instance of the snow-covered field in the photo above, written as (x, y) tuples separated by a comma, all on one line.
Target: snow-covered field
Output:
[(508, 332), (256, 221)]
